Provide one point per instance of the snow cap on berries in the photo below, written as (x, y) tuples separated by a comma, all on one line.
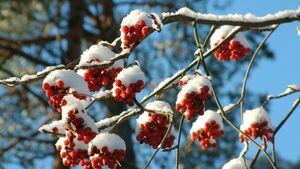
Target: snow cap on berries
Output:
[(234, 49), (134, 28), (109, 140), (257, 115), (225, 30), (56, 127), (98, 53), (207, 117), (134, 17), (184, 80), (237, 163), (152, 126), (206, 129), (130, 75), (256, 123), (72, 103), (78, 144), (70, 80), (193, 85), (159, 106), (78, 112)]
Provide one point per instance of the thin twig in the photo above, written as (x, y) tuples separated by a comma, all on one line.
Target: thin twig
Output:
[(178, 142), (295, 105)]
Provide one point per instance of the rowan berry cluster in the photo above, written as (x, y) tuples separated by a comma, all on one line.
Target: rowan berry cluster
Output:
[(128, 82), (134, 28), (107, 149), (154, 129), (256, 124), (206, 129), (72, 151), (191, 99), (57, 85), (134, 34), (96, 78), (234, 49), (258, 130), (99, 77), (104, 156), (76, 122)]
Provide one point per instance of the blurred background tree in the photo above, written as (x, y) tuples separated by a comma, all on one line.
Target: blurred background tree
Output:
[(39, 33)]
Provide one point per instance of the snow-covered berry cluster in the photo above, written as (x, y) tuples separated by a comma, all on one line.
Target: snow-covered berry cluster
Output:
[(237, 163), (96, 78), (130, 80), (191, 98), (152, 126), (106, 149), (59, 83), (134, 28), (81, 135), (256, 123), (235, 49), (73, 151), (207, 128), (77, 120)]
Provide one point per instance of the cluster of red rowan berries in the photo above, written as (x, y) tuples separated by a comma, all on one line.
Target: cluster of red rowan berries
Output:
[(104, 156), (71, 154), (127, 94), (192, 104), (96, 78), (259, 129), (84, 132), (233, 50), (207, 135), (132, 35), (56, 92), (153, 131)]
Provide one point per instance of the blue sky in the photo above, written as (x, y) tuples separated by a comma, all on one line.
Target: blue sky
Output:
[(273, 76)]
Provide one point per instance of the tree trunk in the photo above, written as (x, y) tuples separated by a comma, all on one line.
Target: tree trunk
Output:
[(75, 31)]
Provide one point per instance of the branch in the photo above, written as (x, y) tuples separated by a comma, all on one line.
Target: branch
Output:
[(249, 20), (17, 140), (33, 59), (290, 90), (24, 42)]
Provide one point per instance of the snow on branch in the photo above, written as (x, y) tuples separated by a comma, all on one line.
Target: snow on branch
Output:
[(12, 81), (248, 20)]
